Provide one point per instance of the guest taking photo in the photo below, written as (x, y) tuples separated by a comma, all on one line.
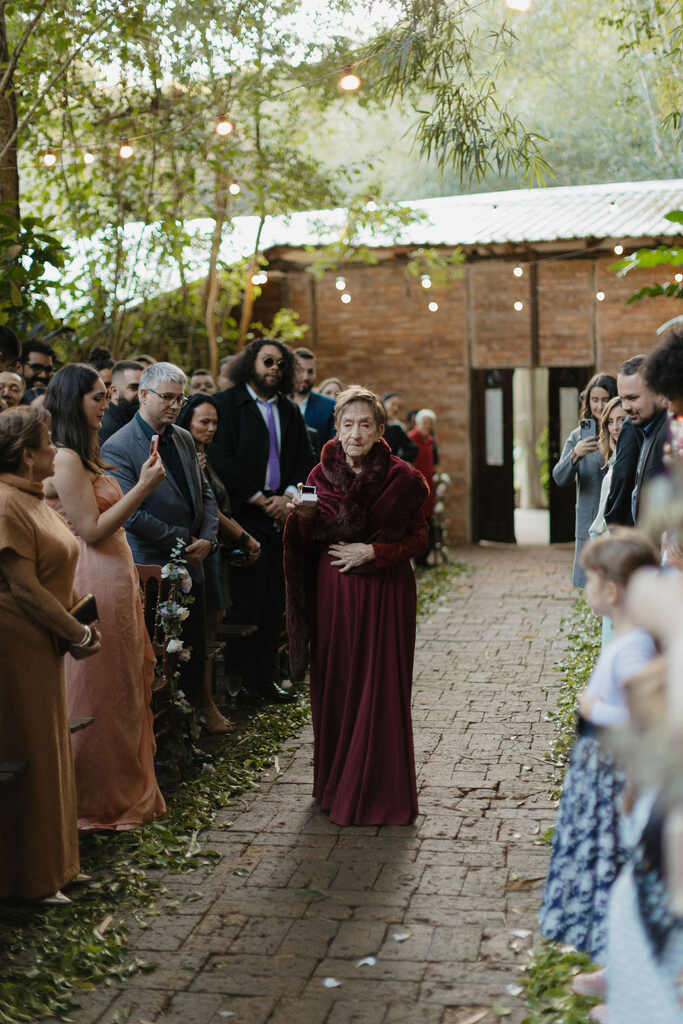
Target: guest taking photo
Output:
[(114, 758)]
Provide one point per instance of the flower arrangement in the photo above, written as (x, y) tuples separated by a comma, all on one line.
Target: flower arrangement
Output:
[(439, 554), (176, 724)]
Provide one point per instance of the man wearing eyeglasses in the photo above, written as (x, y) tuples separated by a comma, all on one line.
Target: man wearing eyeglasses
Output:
[(182, 507), (261, 452), (37, 367)]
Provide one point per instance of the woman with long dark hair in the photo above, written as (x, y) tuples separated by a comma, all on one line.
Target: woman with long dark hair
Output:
[(581, 463), (114, 758)]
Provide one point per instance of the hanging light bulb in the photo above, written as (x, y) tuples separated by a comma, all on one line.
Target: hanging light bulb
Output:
[(519, 306), (518, 271), (88, 157), (618, 249), (126, 150), (349, 82), (600, 296), (49, 158), (340, 284), (234, 188), (346, 298), (433, 307), (426, 281), (224, 126)]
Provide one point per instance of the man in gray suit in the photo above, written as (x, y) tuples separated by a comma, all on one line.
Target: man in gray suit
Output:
[(182, 507)]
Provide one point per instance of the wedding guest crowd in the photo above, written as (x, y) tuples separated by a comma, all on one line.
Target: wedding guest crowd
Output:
[(107, 464)]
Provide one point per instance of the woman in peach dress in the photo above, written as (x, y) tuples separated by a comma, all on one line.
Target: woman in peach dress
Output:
[(114, 757)]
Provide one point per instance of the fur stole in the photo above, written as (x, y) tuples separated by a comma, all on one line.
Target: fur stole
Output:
[(377, 505)]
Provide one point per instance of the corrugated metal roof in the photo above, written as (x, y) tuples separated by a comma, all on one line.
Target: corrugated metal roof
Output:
[(617, 210), (624, 210)]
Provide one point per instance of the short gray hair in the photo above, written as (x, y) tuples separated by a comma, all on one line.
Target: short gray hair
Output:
[(423, 414), (157, 373)]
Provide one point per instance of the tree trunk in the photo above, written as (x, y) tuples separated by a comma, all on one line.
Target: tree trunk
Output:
[(9, 172), (211, 292), (248, 300)]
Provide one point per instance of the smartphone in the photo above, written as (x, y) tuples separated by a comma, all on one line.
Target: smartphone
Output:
[(589, 428), (154, 445), (309, 494)]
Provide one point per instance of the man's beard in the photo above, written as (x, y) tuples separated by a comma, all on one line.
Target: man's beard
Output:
[(268, 387), (303, 390), (129, 406)]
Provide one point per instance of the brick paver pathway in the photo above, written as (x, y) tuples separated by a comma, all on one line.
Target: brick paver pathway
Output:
[(447, 908)]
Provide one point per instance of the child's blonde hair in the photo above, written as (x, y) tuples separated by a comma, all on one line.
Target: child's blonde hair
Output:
[(617, 555)]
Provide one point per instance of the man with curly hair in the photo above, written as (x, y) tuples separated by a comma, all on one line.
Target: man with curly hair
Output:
[(261, 451)]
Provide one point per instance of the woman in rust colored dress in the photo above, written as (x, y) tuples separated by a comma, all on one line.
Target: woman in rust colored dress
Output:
[(351, 600), (114, 758), (39, 849)]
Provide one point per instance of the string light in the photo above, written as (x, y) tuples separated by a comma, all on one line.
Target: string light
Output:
[(88, 157), (349, 82), (618, 249), (519, 5), (340, 284), (519, 306), (678, 278), (371, 206), (518, 271), (600, 296), (433, 307), (49, 158), (126, 150), (346, 298), (426, 281), (260, 278), (224, 126), (234, 188)]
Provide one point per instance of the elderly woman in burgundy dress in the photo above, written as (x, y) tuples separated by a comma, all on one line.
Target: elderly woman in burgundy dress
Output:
[(352, 603)]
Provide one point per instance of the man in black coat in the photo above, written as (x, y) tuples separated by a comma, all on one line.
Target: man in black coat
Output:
[(640, 445), (124, 402), (261, 451)]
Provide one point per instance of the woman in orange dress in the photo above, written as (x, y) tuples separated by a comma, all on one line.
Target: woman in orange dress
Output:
[(39, 853), (114, 758)]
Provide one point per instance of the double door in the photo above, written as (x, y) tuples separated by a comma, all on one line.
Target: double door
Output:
[(492, 429)]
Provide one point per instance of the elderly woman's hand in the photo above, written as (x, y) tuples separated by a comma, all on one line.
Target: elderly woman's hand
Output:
[(305, 509), (350, 556), (94, 647)]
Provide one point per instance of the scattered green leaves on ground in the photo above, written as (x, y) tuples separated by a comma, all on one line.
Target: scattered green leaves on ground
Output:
[(434, 584), (547, 989), (583, 631)]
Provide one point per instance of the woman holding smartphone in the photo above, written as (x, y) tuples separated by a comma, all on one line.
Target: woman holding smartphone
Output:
[(114, 758), (581, 462)]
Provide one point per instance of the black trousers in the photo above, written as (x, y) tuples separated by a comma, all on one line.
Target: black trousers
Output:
[(195, 636), (258, 598)]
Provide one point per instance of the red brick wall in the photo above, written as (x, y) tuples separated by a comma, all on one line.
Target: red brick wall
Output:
[(566, 303), (501, 336), (387, 339)]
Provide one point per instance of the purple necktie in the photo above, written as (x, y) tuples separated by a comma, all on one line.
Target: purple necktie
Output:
[(273, 473)]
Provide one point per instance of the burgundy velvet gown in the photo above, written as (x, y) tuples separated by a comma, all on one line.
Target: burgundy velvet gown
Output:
[(360, 628)]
